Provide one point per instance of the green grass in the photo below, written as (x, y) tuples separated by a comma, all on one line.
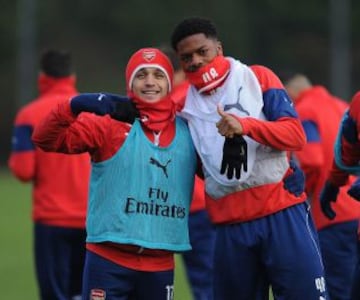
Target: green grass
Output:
[(181, 287), (17, 275), (16, 266)]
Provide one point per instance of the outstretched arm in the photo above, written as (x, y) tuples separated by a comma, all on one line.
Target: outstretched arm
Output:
[(118, 107), (62, 131)]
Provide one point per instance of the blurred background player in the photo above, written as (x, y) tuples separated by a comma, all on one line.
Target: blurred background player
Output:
[(60, 185), (198, 261), (320, 114), (346, 162)]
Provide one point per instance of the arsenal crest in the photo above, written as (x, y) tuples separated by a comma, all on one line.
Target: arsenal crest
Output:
[(97, 294), (149, 55)]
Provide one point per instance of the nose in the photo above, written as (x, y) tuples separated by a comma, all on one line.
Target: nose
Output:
[(150, 80), (195, 63), (196, 60)]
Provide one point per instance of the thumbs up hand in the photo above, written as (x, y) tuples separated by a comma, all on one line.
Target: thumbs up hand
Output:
[(228, 125)]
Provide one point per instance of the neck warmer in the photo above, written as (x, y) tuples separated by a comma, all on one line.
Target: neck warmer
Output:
[(46, 83), (155, 116), (211, 75)]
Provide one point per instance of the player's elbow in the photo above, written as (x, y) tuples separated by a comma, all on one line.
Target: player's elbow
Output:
[(23, 177), (298, 136), (22, 171)]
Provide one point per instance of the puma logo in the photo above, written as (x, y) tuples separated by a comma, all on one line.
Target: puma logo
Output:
[(237, 105), (101, 96), (153, 161)]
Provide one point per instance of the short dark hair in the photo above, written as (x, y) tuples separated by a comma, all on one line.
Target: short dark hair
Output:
[(190, 26), (56, 63)]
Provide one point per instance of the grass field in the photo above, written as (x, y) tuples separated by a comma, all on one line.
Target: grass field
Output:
[(16, 255)]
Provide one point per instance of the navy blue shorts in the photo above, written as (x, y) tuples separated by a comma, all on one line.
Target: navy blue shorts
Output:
[(339, 251), (280, 249), (199, 261), (356, 284), (59, 261), (104, 279)]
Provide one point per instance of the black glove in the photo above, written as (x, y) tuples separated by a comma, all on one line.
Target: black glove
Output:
[(354, 190), (125, 111), (234, 157), (328, 194), (295, 182)]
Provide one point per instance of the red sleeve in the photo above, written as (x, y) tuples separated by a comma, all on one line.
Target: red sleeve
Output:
[(178, 94), (283, 134), (62, 132), (283, 131)]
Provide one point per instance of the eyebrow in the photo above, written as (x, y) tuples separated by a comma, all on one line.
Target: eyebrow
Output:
[(147, 71), (194, 51)]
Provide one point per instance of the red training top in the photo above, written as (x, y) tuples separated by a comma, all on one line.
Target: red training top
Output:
[(102, 137), (321, 113), (60, 182)]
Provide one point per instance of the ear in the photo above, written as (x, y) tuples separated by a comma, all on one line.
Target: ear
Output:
[(219, 48)]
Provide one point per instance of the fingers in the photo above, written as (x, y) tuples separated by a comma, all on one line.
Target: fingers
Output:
[(327, 210), (245, 160), (230, 172), (330, 213), (225, 128), (228, 125), (221, 111), (223, 125), (238, 173), (223, 167)]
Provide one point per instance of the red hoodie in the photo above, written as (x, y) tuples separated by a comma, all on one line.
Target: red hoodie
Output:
[(318, 106), (60, 182)]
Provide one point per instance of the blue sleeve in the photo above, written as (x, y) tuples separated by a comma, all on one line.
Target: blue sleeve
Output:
[(311, 131), (98, 103), (21, 138), (277, 104), (348, 127)]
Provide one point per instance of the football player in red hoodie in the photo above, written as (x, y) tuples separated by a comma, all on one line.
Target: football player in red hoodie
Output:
[(346, 162), (321, 113), (60, 185)]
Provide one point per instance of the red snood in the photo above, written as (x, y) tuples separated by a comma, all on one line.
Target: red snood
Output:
[(211, 75)]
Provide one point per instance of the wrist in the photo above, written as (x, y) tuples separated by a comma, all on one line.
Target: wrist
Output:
[(239, 129)]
